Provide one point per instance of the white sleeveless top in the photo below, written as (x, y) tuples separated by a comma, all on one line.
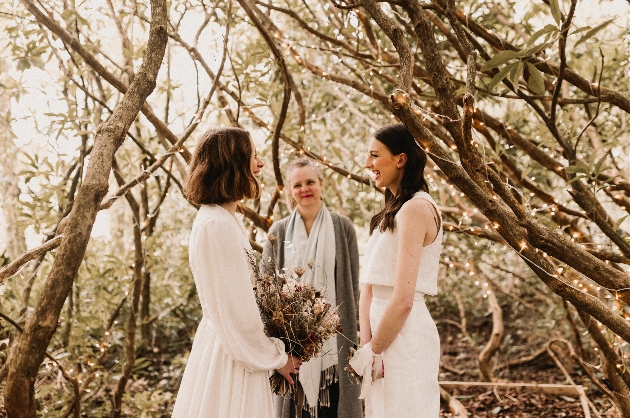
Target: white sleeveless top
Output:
[(381, 254)]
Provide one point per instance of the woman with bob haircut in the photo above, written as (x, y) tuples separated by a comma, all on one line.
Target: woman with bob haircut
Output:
[(227, 374), (401, 346)]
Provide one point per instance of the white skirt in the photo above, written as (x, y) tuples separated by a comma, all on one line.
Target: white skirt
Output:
[(409, 388), (216, 386)]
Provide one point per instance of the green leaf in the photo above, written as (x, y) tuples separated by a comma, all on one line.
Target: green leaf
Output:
[(598, 165), (533, 50), (579, 167), (582, 29), (619, 222), (593, 31), (500, 76), (499, 59), (541, 32), (536, 81), (576, 178), (555, 11), (516, 74)]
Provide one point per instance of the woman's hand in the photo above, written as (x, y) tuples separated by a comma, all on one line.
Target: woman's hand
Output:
[(292, 367)]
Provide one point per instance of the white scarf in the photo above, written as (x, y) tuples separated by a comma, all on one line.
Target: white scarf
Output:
[(301, 248)]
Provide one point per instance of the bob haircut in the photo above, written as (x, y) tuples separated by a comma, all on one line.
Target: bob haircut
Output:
[(220, 169), (399, 140)]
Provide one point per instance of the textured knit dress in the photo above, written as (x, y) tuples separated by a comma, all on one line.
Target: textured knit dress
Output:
[(409, 388), (228, 369)]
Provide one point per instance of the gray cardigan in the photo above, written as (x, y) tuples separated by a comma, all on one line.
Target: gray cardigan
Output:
[(347, 293)]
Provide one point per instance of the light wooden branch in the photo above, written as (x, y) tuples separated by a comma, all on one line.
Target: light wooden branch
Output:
[(14, 266)]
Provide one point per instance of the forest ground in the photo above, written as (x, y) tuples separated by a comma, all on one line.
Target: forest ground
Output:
[(482, 402), (158, 370)]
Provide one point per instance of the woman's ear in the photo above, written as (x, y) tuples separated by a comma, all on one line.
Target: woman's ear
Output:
[(402, 160)]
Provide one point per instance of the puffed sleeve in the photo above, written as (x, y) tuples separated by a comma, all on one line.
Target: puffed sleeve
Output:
[(223, 278)]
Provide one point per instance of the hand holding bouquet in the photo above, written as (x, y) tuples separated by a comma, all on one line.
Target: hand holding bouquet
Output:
[(294, 312)]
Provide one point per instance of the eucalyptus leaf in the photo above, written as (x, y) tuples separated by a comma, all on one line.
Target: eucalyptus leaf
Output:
[(541, 32), (592, 32), (516, 74), (533, 50), (536, 81), (499, 59), (598, 165), (555, 11), (619, 222), (498, 77)]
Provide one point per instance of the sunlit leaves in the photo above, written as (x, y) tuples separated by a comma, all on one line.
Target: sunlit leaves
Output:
[(500, 59), (555, 11), (592, 32)]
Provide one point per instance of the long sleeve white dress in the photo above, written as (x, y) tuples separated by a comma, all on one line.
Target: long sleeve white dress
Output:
[(227, 374), (409, 388)]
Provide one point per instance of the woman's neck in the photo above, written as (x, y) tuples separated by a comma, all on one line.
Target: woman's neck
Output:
[(230, 207), (308, 215)]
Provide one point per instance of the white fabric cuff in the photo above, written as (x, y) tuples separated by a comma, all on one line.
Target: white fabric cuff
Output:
[(280, 346), (362, 362)]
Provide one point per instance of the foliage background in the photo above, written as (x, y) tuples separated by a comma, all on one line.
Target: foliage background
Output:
[(51, 104)]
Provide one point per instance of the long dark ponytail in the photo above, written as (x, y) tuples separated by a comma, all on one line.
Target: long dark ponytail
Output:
[(399, 140)]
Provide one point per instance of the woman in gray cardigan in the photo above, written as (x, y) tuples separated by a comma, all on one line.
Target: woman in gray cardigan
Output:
[(324, 243)]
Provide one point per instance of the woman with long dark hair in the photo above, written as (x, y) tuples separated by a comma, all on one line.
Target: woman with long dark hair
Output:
[(400, 356), (227, 374)]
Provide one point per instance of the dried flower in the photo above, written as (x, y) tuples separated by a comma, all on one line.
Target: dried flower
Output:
[(272, 238), (318, 308), (294, 312), (353, 374)]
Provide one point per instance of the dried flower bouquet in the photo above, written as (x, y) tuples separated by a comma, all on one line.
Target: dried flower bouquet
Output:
[(296, 313)]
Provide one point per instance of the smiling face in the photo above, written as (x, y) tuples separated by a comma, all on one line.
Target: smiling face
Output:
[(306, 187), (256, 163), (387, 169)]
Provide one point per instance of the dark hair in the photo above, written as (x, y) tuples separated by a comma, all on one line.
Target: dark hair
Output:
[(399, 140), (220, 169)]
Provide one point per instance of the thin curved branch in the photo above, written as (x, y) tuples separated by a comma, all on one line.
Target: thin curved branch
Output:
[(562, 47), (14, 266), (123, 190), (286, 83), (74, 44)]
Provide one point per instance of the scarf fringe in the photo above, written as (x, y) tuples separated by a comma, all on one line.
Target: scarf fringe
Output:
[(329, 376)]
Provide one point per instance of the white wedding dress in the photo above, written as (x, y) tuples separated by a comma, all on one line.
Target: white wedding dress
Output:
[(409, 388), (227, 374)]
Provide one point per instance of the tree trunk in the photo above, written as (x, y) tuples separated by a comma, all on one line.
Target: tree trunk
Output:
[(29, 352)]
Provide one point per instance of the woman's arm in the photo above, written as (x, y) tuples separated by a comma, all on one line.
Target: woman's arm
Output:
[(223, 279), (413, 223), (365, 300), (353, 249)]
